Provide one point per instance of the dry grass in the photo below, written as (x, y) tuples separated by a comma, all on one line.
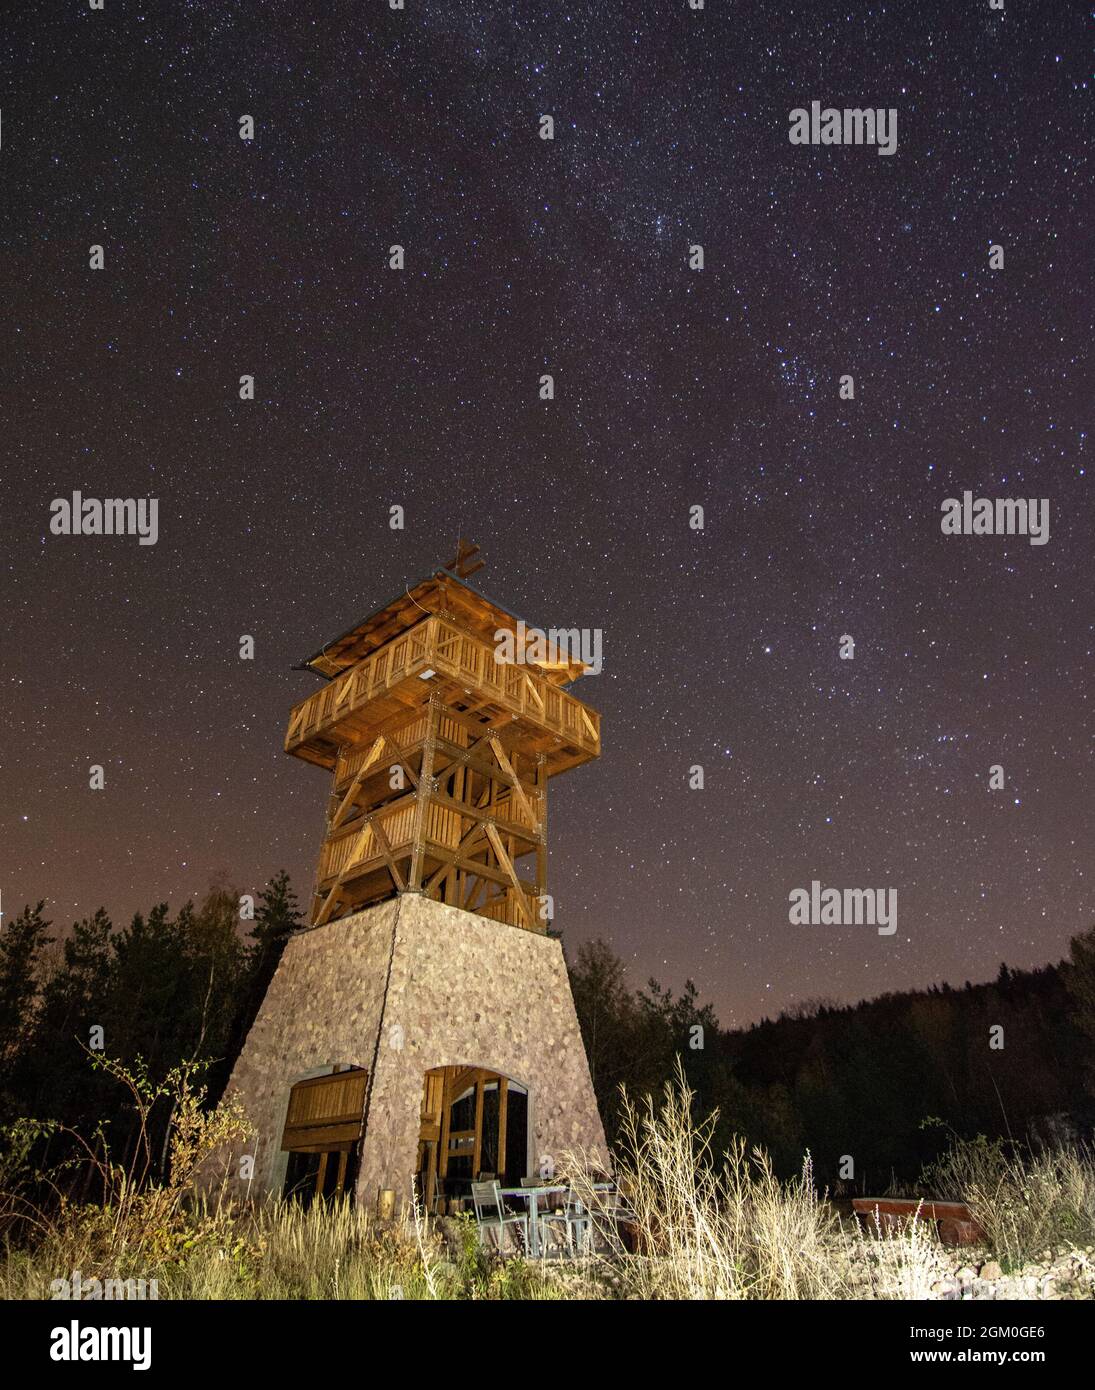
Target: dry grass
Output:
[(892, 1263), (277, 1250), (705, 1226), (708, 1227), (1025, 1202), (204, 1246)]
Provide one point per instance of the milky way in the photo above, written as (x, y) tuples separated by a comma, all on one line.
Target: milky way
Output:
[(674, 388)]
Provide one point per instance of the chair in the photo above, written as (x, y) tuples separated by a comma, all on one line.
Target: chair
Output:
[(574, 1222), (620, 1208), (491, 1215), (618, 1212)]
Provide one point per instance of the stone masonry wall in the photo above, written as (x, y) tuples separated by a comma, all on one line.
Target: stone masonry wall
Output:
[(468, 991), (462, 990), (323, 1008)]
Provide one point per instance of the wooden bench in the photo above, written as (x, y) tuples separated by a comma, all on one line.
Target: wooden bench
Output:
[(954, 1222)]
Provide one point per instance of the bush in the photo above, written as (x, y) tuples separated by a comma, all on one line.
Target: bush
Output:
[(1025, 1202)]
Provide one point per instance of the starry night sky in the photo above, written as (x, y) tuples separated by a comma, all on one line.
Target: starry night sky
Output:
[(674, 388)]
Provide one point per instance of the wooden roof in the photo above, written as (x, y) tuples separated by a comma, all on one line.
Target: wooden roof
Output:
[(442, 594)]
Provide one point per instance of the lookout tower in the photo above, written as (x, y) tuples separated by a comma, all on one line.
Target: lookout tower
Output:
[(440, 750), (421, 1033)]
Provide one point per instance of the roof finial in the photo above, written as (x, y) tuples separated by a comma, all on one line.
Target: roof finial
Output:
[(465, 563)]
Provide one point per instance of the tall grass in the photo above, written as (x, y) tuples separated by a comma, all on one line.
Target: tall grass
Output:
[(201, 1245), (280, 1250), (1025, 1202), (892, 1262), (700, 1225), (135, 1224), (709, 1226)]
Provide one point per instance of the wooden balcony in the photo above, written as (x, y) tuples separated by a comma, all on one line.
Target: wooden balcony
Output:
[(437, 658), (366, 844)]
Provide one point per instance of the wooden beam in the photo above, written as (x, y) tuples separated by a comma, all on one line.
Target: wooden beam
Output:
[(389, 808), (487, 813), (503, 1097), (476, 886), (477, 1147), (328, 904), (386, 851), (359, 777), (510, 777), (530, 686), (465, 563), (446, 1124), (465, 758), (510, 871), (541, 848), (452, 858), (488, 871), (514, 781), (424, 794)]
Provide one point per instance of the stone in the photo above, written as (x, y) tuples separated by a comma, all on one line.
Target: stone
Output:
[(455, 989)]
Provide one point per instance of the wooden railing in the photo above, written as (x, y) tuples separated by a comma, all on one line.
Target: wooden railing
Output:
[(440, 645), (359, 844)]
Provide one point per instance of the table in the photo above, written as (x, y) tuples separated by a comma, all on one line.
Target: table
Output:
[(533, 1194)]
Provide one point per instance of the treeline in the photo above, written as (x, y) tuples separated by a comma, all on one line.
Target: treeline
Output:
[(162, 990), (881, 1081), (887, 1082)]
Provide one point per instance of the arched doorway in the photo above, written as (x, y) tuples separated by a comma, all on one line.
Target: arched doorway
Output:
[(474, 1126)]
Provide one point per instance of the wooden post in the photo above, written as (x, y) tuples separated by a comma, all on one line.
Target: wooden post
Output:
[(503, 1100), (452, 883), (477, 1146), (541, 848), (425, 790), (446, 1117)]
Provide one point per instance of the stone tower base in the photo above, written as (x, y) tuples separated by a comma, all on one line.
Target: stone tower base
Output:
[(401, 988)]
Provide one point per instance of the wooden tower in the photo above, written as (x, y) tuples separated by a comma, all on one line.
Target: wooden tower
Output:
[(440, 753), (421, 1034)]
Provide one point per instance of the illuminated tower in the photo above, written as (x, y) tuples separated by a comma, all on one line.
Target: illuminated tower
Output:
[(440, 751), (422, 1030)]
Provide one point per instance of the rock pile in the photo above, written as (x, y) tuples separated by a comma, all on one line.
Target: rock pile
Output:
[(1054, 1275)]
